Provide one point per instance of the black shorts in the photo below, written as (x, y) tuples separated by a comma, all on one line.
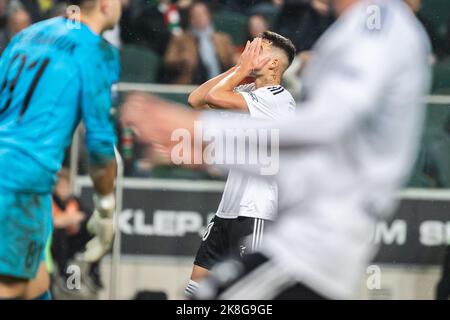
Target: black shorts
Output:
[(255, 277), (224, 238)]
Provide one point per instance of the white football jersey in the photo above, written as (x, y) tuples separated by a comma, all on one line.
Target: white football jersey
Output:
[(249, 195)]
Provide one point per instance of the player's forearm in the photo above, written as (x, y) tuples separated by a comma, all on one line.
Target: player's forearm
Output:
[(103, 177), (197, 99), (220, 95), (229, 82), (173, 59)]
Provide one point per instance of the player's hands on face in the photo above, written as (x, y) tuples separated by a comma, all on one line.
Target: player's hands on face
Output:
[(243, 54), (250, 61)]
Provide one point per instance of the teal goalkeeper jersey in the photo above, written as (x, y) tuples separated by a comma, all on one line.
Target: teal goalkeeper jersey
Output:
[(53, 75)]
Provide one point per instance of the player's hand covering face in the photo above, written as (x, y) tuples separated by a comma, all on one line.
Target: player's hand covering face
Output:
[(252, 60)]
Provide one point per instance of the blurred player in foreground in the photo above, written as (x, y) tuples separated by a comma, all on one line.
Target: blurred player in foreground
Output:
[(248, 202), (343, 156), (52, 75)]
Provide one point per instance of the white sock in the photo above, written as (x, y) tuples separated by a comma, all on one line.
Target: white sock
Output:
[(191, 289)]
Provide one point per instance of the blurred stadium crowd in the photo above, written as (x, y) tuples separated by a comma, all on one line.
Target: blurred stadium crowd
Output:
[(192, 41), (187, 42)]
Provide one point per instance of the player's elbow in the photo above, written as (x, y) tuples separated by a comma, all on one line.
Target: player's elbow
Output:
[(101, 159), (101, 151), (194, 101), (213, 99)]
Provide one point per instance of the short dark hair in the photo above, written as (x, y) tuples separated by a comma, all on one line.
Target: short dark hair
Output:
[(282, 43)]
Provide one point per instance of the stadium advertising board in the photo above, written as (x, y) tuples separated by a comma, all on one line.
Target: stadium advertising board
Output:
[(169, 221)]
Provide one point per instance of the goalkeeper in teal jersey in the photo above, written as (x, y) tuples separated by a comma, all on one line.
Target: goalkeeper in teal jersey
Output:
[(53, 75)]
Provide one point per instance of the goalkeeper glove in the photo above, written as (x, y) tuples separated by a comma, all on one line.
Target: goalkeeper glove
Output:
[(101, 226)]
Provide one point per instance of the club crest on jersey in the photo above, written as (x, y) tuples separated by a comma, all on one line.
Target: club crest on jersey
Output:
[(207, 231), (242, 249)]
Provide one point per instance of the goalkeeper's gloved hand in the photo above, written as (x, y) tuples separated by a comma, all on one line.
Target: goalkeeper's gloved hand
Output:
[(101, 226)]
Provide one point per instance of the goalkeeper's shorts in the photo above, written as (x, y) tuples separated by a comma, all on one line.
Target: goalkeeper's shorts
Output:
[(25, 225)]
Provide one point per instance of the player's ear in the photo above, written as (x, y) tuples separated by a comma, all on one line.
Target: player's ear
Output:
[(274, 64), (104, 5)]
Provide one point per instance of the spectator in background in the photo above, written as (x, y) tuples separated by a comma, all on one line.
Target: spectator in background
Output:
[(256, 25), (3, 13), (17, 20), (446, 42), (58, 10), (171, 16), (70, 234), (31, 6), (250, 7), (268, 8), (231, 5), (183, 9), (38, 9), (199, 53), (438, 48), (67, 209), (304, 22), (127, 31), (153, 25)]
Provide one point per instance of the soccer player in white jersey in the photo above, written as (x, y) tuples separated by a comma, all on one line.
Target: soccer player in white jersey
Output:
[(343, 156), (247, 201)]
